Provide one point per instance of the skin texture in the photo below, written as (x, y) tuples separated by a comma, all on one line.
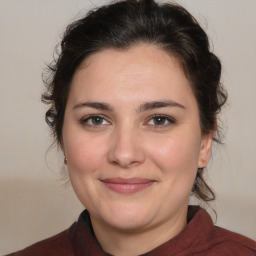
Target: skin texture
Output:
[(125, 140)]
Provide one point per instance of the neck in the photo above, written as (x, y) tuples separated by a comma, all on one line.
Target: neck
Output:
[(127, 243)]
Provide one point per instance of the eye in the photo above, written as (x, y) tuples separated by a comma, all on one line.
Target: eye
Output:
[(161, 121), (95, 120)]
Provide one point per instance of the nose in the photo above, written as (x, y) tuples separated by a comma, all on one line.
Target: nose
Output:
[(126, 148)]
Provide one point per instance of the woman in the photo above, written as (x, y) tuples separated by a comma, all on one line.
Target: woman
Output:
[(134, 98)]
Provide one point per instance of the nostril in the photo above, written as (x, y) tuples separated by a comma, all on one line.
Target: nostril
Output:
[(125, 164), (126, 161)]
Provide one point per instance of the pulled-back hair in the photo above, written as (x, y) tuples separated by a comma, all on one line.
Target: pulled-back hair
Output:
[(123, 24)]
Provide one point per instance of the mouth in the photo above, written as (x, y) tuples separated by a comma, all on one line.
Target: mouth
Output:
[(127, 185)]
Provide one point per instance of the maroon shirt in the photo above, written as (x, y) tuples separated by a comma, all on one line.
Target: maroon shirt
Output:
[(199, 238)]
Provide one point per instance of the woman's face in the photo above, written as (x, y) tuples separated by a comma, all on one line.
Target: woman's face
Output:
[(132, 138)]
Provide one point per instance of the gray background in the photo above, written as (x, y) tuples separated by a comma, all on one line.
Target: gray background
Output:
[(34, 203)]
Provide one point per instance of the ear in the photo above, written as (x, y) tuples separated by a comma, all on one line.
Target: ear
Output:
[(61, 145), (205, 150)]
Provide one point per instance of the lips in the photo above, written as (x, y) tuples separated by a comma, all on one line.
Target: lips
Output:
[(127, 186)]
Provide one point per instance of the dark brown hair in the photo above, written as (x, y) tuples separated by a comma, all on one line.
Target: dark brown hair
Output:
[(121, 25)]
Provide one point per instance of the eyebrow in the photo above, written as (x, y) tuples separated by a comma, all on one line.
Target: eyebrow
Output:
[(159, 104), (143, 107), (96, 105)]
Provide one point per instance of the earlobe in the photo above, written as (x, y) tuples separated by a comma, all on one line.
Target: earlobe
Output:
[(205, 150)]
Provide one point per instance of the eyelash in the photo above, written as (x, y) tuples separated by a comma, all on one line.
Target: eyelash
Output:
[(170, 120), (85, 121)]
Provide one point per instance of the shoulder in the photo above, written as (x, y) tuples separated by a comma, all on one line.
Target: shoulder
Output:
[(78, 239), (58, 245), (210, 240), (228, 243)]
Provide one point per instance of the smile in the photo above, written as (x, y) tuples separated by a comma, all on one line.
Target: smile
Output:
[(127, 186)]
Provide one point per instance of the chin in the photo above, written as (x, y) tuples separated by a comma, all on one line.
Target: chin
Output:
[(129, 222), (127, 218)]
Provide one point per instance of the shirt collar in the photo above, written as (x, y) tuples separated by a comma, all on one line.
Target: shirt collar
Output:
[(197, 232)]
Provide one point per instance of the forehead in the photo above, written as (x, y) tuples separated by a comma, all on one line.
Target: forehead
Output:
[(141, 69), (137, 60)]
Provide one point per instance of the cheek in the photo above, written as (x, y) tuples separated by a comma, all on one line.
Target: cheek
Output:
[(85, 158), (84, 153), (176, 155)]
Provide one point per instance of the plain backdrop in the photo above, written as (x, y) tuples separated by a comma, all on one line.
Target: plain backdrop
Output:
[(34, 202)]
